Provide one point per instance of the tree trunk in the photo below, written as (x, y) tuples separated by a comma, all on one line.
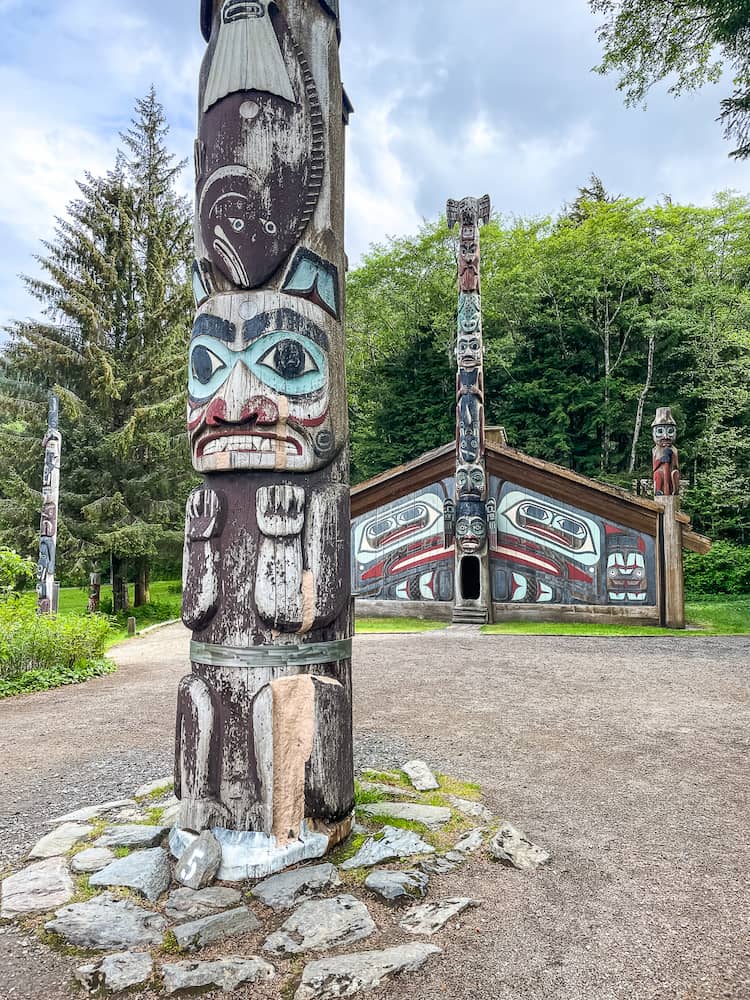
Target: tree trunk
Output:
[(143, 585), (642, 403), (120, 597)]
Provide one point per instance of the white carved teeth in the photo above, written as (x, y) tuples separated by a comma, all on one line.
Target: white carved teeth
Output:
[(240, 442)]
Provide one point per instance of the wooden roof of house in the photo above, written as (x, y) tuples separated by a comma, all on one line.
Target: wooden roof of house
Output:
[(554, 481)]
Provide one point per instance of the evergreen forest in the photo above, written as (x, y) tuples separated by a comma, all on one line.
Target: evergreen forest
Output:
[(593, 317)]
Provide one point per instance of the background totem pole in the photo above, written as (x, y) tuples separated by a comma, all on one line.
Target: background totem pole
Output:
[(264, 731), (45, 573), (468, 525), (666, 465)]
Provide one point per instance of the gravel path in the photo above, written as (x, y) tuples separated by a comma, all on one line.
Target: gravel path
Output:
[(627, 757)]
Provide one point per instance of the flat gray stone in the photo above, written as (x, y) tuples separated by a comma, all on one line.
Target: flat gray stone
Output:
[(474, 809), (59, 842), (282, 892), (397, 887), (199, 863), (132, 836), (429, 918), (228, 974), (514, 848), (93, 859), (116, 972), (320, 924), (469, 844), (152, 787), (348, 975), (188, 904), (91, 812), (171, 814), (421, 776), (438, 864), (432, 817), (390, 843), (37, 889), (105, 923), (147, 872), (200, 933)]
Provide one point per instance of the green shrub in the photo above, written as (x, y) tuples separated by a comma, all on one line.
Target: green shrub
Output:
[(42, 651), (16, 572), (724, 570)]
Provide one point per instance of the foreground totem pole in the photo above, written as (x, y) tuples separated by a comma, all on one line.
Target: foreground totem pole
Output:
[(264, 729), (666, 466), (45, 573), (470, 517)]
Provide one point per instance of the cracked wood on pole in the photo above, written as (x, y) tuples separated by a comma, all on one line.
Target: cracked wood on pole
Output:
[(470, 517), (264, 727), (46, 590)]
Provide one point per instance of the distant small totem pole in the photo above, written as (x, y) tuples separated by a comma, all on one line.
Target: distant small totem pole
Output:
[(666, 458), (264, 727), (467, 524), (45, 572)]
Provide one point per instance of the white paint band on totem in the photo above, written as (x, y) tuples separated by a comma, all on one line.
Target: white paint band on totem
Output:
[(271, 656)]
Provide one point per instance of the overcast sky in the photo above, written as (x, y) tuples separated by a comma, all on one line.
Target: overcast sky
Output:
[(452, 98)]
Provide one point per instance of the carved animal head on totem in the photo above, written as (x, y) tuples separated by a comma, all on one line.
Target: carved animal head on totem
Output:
[(664, 428), (471, 481), (471, 526), (263, 371), (469, 312), (469, 211), (470, 429)]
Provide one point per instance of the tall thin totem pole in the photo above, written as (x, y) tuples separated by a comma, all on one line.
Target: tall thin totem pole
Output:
[(470, 517), (264, 728), (45, 573)]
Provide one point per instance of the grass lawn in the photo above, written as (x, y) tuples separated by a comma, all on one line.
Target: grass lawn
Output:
[(366, 626), (166, 599), (723, 615)]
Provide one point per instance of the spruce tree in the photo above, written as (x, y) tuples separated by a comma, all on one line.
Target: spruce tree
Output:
[(116, 308)]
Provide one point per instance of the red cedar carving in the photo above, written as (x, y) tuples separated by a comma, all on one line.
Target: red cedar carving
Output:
[(666, 458)]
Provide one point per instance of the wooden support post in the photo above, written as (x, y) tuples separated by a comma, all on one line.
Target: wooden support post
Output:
[(673, 595), (264, 727)]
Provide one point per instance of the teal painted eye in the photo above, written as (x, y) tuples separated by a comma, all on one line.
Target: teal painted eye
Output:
[(204, 364), (290, 360)]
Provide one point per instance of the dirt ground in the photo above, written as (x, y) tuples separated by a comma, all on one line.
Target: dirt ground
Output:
[(628, 758)]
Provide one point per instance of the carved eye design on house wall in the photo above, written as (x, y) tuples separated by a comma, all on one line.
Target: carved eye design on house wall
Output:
[(237, 225)]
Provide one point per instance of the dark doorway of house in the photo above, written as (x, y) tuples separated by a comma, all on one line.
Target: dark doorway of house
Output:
[(471, 589)]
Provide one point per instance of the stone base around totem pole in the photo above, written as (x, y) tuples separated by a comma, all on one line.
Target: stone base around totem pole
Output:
[(247, 855), (102, 888)]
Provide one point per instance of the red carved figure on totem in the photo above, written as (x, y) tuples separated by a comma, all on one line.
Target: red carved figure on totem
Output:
[(666, 458)]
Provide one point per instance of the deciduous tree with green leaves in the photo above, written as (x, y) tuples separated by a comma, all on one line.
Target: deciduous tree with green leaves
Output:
[(688, 42)]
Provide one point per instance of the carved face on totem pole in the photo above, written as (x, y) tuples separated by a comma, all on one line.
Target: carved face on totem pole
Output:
[(471, 526), (469, 352), (665, 435), (470, 481), (262, 372)]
